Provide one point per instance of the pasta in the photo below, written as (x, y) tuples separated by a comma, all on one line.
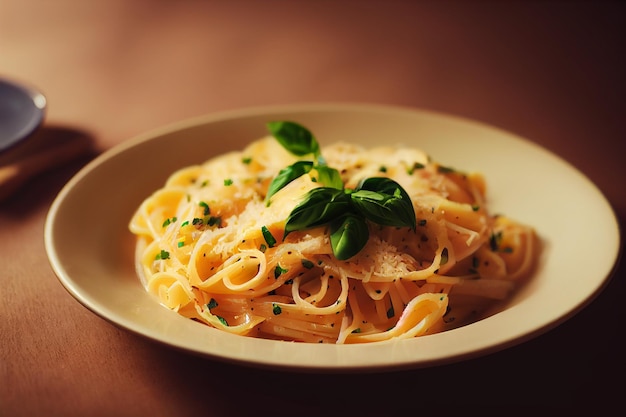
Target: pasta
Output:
[(212, 248)]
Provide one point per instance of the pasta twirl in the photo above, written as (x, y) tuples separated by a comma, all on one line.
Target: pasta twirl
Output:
[(210, 248)]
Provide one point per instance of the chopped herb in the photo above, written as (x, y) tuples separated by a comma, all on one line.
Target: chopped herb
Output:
[(212, 304), (204, 183), (382, 168), (475, 207), (357, 330), (276, 309), (267, 235), (263, 247), (445, 170), (206, 208), (246, 160), (214, 221), (197, 221), (390, 312), (168, 221), (421, 223), (415, 166), (185, 223), (278, 271), (181, 243), (228, 182), (222, 320), (494, 241), (162, 255), (444, 256), (307, 264)]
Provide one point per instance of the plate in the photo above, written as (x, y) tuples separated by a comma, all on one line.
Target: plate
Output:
[(22, 110), (92, 252)]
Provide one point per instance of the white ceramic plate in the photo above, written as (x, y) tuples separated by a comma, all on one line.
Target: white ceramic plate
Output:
[(92, 251)]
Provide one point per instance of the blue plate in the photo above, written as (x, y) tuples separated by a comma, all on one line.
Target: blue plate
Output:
[(22, 110)]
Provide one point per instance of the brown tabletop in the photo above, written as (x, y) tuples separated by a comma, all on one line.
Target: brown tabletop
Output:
[(552, 72)]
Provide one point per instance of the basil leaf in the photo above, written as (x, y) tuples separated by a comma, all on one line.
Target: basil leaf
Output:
[(286, 175), (295, 138), (380, 199), (348, 235), (329, 177), (320, 206), (384, 201), (383, 185), (386, 210)]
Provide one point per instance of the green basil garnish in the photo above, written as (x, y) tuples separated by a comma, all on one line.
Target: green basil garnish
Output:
[(300, 141), (380, 200), (348, 235), (329, 177), (295, 138), (319, 206), (286, 175), (385, 202)]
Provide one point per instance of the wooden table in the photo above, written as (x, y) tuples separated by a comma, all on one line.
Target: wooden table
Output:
[(552, 72)]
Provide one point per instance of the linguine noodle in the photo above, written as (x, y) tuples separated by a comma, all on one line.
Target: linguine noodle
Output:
[(211, 249)]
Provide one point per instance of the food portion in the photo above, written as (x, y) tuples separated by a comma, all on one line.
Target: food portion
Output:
[(285, 240)]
